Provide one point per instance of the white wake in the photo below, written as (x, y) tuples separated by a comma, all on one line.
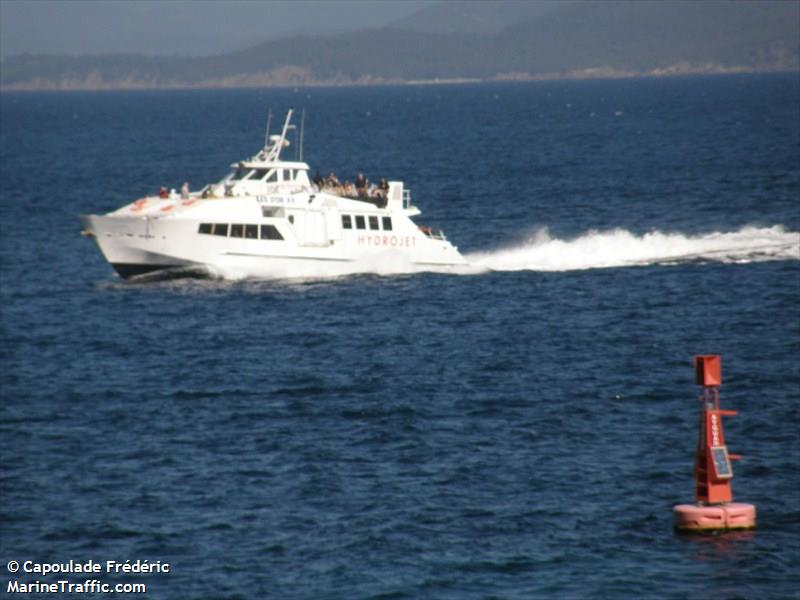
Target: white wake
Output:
[(621, 248)]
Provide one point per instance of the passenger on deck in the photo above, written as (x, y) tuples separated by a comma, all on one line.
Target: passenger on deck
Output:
[(163, 193), (361, 185), (348, 189), (383, 187), (319, 181), (333, 181), (185, 190)]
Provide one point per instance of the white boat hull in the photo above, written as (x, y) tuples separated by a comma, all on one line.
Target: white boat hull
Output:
[(135, 245)]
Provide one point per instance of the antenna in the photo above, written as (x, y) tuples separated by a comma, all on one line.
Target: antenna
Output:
[(302, 130), (266, 135), (298, 150), (281, 141)]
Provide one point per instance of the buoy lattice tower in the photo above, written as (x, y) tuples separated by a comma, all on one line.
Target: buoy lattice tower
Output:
[(714, 509)]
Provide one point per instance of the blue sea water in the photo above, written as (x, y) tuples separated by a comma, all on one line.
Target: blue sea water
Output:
[(519, 431)]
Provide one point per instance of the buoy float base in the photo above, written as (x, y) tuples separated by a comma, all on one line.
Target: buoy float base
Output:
[(691, 518)]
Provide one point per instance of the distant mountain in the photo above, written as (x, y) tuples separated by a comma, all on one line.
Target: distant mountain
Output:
[(472, 40), (481, 18), (647, 36)]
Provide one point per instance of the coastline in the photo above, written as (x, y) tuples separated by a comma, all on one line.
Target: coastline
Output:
[(300, 78)]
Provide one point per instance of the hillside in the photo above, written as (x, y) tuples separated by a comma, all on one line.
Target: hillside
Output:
[(482, 18), (456, 40), (648, 36)]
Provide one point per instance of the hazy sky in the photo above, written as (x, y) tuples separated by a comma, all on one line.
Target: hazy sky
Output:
[(182, 27)]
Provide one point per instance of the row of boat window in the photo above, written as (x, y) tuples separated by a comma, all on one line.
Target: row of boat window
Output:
[(361, 222), (272, 175), (270, 232), (238, 230)]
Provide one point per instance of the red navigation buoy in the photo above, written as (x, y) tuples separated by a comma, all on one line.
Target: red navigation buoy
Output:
[(715, 510)]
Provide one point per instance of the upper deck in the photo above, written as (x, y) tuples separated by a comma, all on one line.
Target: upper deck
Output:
[(267, 179)]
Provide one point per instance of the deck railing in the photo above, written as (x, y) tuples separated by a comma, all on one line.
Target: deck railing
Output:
[(434, 234)]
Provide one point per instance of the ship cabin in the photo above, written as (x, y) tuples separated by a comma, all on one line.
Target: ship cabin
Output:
[(249, 178)]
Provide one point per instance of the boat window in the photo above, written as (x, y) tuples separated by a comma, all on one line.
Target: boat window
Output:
[(270, 232), (387, 223), (272, 177), (220, 229), (373, 222), (237, 230), (291, 219), (347, 222), (251, 232), (271, 212), (240, 173), (204, 228), (258, 174), (360, 222)]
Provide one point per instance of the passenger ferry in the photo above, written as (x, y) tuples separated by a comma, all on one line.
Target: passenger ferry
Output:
[(267, 219)]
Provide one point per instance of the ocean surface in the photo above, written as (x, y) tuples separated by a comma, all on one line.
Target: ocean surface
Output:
[(521, 429)]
